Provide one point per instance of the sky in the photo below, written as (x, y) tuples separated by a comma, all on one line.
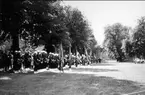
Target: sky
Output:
[(103, 13)]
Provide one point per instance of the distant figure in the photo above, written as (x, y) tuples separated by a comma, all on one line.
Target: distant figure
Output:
[(6, 62), (99, 60)]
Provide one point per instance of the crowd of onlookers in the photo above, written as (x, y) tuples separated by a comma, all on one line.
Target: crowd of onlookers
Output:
[(137, 60), (41, 59)]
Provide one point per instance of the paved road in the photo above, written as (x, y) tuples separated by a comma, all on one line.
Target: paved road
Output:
[(128, 71)]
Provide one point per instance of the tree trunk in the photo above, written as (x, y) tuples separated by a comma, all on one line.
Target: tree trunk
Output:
[(77, 54), (0, 15), (86, 53), (90, 52), (70, 57), (90, 55), (15, 51), (12, 25), (76, 50), (55, 49), (61, 57)]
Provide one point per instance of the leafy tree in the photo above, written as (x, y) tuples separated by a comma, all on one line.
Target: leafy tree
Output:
[(11, 19), (127, 48), (18, 15), (82, 38), (46, 21), (35, 20), (78, 27), (92, 43), (138, 43), (114, 36)]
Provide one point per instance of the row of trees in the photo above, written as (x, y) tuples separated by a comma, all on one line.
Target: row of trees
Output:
[(124, 43), (45, 22)]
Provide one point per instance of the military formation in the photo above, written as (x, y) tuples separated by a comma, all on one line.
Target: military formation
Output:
[(41, 59)]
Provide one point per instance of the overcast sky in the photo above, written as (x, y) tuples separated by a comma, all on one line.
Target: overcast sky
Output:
[(103, 13)]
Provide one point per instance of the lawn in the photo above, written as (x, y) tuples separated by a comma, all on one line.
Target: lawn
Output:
[(64, 84)]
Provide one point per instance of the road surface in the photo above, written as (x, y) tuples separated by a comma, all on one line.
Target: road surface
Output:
[(128, 71), (125, 71)]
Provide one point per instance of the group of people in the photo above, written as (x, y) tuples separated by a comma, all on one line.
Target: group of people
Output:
[(5, 61), (42, 59)]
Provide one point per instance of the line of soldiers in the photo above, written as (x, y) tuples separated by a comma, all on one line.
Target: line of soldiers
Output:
[(41, 59)]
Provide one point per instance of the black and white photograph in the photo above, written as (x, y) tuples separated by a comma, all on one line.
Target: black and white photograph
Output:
[(72, 47)]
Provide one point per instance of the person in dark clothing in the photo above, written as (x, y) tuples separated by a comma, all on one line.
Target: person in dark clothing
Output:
[(6, 61), (99, 60)]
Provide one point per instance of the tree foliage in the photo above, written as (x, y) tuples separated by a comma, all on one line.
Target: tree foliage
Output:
[(114, 36), (79, 29), (138, 42), (44, 21), (16, 18)]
